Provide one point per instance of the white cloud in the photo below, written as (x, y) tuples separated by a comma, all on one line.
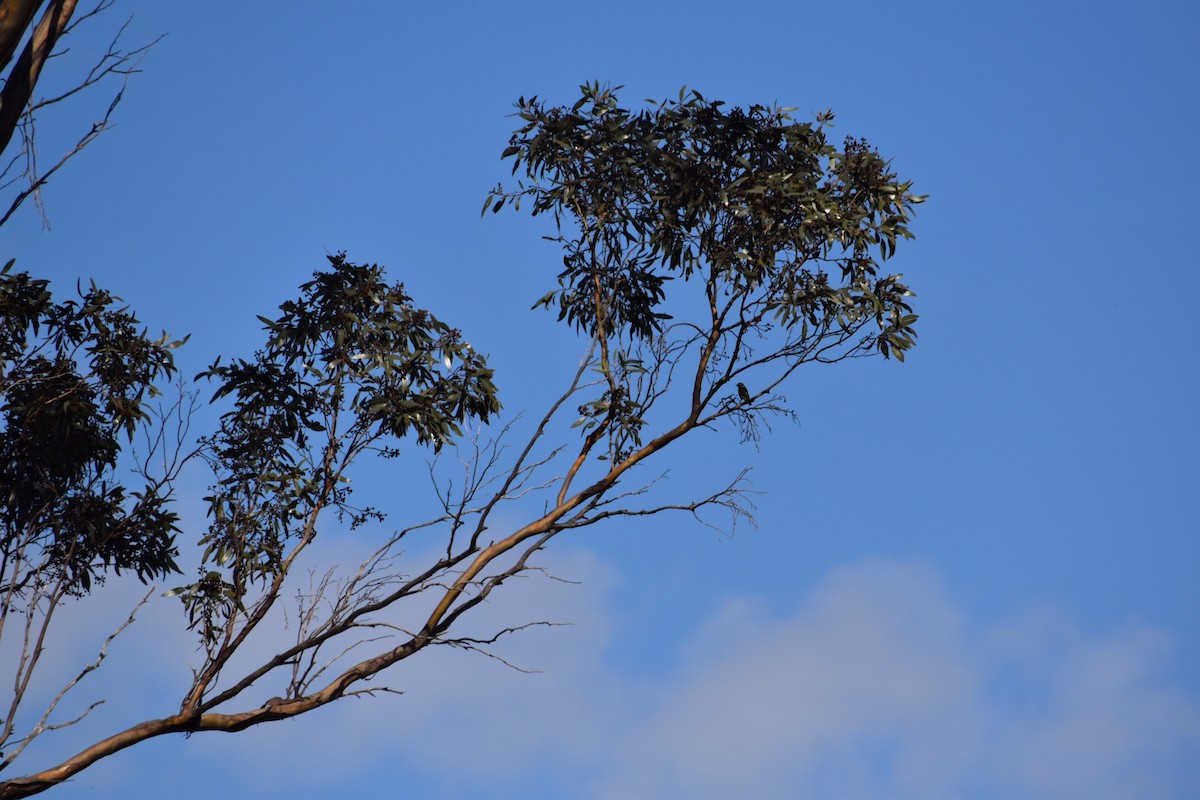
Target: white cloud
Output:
[(861, 687), (1102, 720), (876, 685), (876, 688)]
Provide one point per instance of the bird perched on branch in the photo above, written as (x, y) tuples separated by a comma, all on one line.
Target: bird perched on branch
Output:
[(743, 393)]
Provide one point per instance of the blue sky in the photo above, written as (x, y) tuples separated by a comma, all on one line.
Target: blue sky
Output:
[(975, 574)]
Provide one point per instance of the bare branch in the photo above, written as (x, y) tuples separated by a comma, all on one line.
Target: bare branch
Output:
[(480, 645), (18, 108), (41, 727)]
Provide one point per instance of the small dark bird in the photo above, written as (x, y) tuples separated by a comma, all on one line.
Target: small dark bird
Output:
[(743, 393)]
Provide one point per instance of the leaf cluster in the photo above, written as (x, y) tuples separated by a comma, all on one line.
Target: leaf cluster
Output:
[(348, 366), (748, 199), (75, 381)]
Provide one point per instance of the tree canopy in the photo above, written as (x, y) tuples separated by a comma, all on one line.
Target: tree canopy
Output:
[(758, 206), (75, 381), (708, 252)]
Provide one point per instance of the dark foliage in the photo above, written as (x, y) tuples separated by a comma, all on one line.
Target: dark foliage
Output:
[(353, 361), (75, 380), (749, 200)]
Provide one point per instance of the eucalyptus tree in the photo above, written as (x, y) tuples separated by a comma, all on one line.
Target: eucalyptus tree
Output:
[(708, 253)]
